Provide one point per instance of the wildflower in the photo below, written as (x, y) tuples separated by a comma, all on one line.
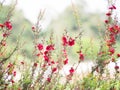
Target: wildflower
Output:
[(106, 21), (10, 65), (52, 62), (116, 67), (40, 46), (48, 79), (108, 14), (64, 40), (5, 34), (81, 56), (14, 73), (50, 47), (46, 58), (112, 50), (54, 70), (71, 71), (114, 7), (8, 25), (118, 55), (71, 42), (65, 61)]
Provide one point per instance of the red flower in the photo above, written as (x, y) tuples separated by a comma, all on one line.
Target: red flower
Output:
[(71, 42), (46, 52), (71, 71), (8, 25), (118, 55), (106, 21), (114, 7), (50, 47), (64, 40), (10, 65), (5, 35), (112, 50), (81, 56), (52, 62), (35, 64), (108, 14), (116, 67), (65, 61), (40, 46), (54, 70), (46, 58), (14, 73), (48, 79)]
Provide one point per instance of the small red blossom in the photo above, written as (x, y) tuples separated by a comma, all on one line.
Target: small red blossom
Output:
[(54, 70), (116, 67), (64, 41), (35, 64), (48, 79), (106, 21), (8, 25), (52, 62), (71, 42), (65, 61), (50, 47), (14, 73), (10, 65), (118, 55), (108, 14), (81, 56), (46, 52), (71, 71), (114, 29), (114, 7), (5, 34), (46, 58), (111, 50), (40, 46)]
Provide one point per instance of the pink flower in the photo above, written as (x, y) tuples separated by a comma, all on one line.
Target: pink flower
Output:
[(64, 40), (40, 46), (8, 25), (118, 55), (50, 47), (14, 73), (46, 58), (71, 71), (65, 61), (71, 42), (81, 56), (48, 79), (116, 67), (54, 70), (111, 50), (108, 14)]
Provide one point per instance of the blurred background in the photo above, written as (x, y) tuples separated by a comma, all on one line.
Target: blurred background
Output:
[(59, 15)]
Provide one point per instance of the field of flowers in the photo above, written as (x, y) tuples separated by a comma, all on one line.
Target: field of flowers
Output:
[(46, 69)]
